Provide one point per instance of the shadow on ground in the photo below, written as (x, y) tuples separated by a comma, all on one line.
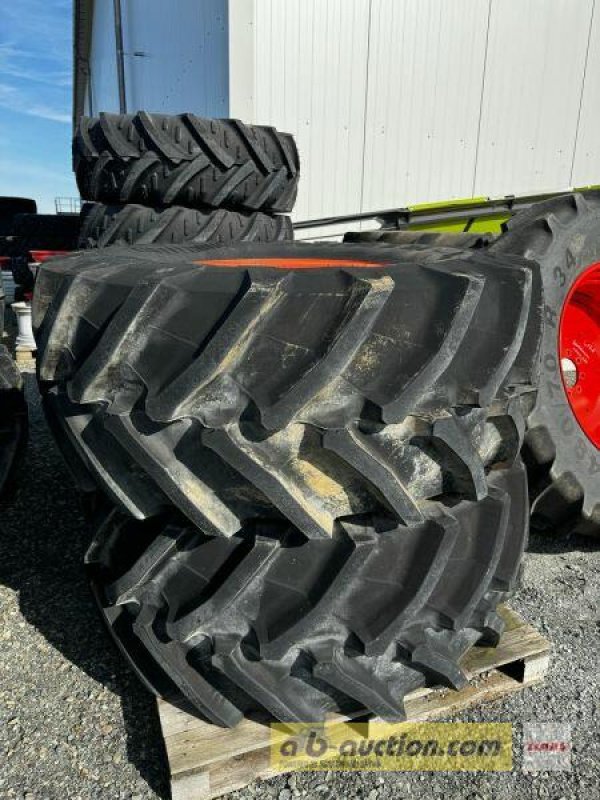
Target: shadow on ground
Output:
[(43, 538), (561, 541)]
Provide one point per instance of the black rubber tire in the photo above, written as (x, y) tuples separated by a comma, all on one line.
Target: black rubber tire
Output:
[(431, 238), (9, 246), (315, 495), (46, 232), (184, 160), (13, 420), (104, 225), (9, 208), (563, 236), (22, 272)]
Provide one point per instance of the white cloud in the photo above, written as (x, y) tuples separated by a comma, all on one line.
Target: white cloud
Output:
[(14, 100), (35, 58), (10, 170), (16, 62), (35, 100)]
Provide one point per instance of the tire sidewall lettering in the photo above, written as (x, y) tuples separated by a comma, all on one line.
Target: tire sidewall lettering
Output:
[(578, 251)]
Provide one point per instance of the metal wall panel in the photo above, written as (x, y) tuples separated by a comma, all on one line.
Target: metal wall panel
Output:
[(103, 92), (176, 56), (586, 163), (532, 88), (426, 62), (310, 74)]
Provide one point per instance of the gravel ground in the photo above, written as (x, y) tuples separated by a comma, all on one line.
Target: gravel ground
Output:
[(75, 722)]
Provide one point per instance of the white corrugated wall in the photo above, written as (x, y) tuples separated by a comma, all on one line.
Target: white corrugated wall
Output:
[(392, 102), (324, 46), (586, 159), (426, 65), (535, 64)]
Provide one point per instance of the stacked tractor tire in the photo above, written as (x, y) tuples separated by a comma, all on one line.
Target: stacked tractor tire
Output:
[(160, 179), (24, 232), (301, 462)]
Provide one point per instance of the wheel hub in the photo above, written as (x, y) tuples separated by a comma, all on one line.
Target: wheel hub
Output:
[(579, 351)]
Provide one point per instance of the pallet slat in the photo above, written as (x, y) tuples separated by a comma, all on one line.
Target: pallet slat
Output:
[(207, 761)]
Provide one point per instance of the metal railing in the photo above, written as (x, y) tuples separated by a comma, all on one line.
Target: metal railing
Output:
[(67, 205)]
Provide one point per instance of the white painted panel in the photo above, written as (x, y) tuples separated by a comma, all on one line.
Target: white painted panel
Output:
[(392, 102), (103, 88), (425, 77), (310, 80), (586, 164), (176, 56), (533, 78)]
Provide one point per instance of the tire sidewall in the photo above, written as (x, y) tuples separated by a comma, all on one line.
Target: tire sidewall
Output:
[(573, 250)]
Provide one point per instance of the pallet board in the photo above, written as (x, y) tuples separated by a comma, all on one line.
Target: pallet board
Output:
[(23, 355), (206, 761)]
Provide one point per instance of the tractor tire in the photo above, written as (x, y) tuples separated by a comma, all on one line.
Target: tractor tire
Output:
[(184, 160), (46, 232), (9, 208), (430, 238), (312, 497), (13, 420), (133, 224), (561, 453), (562, 445), (22, 272), (9, 246)]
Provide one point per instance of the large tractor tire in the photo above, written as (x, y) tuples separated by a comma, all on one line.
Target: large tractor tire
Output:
[(562, 445), (312, 497), (104, 225), (184, 160), (13, 419), (429, 238)]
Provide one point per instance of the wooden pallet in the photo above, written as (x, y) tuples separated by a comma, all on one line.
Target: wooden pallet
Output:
[(207, 761)]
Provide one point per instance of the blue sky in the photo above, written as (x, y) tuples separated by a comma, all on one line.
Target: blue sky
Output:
[(35, 100)]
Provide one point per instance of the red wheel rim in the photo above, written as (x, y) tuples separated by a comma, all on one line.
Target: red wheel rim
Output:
[(579, 350)]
